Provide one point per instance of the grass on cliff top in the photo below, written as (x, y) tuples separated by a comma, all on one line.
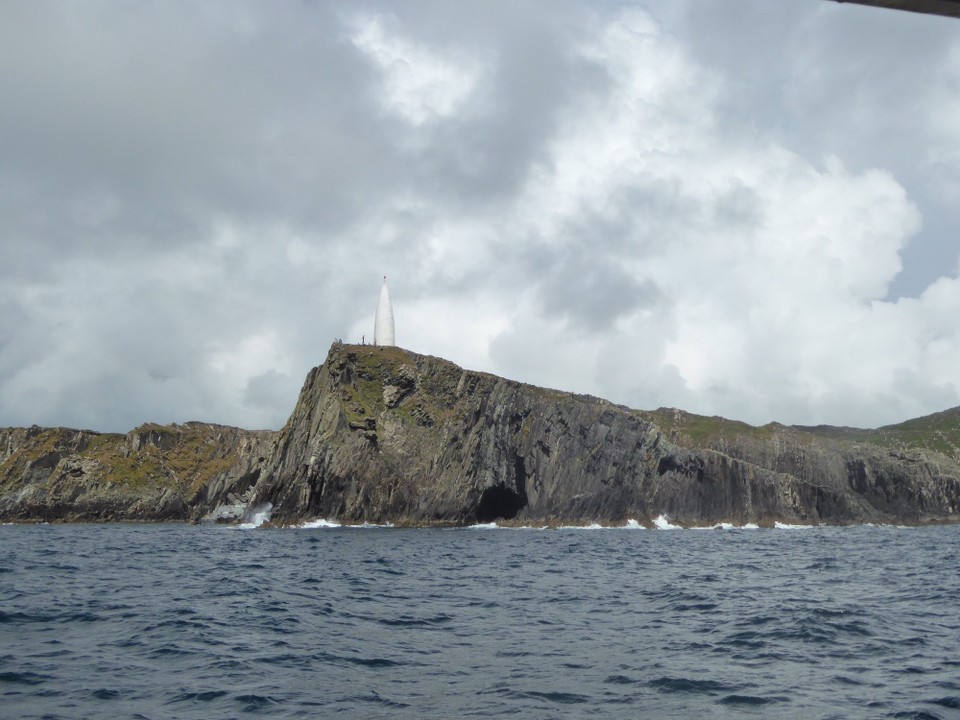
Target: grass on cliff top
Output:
[(939, 432), (195, 457), (370, 365), (697, 431), (373, 367), (377, 355)]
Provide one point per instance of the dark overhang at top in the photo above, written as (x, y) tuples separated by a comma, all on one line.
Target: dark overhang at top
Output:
[(950, 8)]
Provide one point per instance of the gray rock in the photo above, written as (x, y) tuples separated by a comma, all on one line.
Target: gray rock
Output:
[(458, 446), (153, 473)]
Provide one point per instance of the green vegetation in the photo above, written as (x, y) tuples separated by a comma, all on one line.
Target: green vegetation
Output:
[(182, 457), (363, 396), (375, 367), (138, 470), (696, 431), (939, 432), (37, 444)]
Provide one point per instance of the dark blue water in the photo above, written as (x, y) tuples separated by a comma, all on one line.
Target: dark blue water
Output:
[(193, 622)]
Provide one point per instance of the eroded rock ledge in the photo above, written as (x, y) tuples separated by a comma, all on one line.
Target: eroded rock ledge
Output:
[(153, 473)]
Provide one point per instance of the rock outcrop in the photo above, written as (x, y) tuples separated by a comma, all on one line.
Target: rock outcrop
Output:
[(153, 473), (380, 434), (386, 435)]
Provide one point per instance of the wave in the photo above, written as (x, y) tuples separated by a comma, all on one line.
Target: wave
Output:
[(312, 524), (663, 522), (322, 523), (255, 517)]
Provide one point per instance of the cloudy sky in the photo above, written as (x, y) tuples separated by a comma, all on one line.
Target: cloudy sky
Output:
[(735, 207)]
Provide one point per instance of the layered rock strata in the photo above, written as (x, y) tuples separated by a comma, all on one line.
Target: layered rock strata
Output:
[(153, 473), (385, 435)]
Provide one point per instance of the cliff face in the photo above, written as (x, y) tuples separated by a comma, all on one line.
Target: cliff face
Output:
[(385, 435), (382, 434), (156, 472)]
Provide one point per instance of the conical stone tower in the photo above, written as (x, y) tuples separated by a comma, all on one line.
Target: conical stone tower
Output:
[(383, 331)]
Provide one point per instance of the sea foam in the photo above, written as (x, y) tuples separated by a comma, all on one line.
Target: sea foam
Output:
[(662, 522), (257, 516), (321, 523)]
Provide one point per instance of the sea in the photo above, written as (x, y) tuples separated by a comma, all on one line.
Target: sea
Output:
[(178, 621)]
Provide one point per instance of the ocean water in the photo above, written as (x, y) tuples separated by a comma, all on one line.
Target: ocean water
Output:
[(169, 621)]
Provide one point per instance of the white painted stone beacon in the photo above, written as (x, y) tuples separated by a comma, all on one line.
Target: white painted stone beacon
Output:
[(383, 331)]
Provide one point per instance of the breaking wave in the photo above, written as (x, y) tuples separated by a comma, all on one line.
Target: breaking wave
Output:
[(314, 524), (256, 516), (661, 522)]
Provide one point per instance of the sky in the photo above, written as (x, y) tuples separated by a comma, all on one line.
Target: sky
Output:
[(735, 207)]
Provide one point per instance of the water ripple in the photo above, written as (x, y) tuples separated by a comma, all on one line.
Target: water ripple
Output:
[(173, 621)]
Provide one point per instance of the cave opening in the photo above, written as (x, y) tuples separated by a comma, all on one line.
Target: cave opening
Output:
[(499, 503)]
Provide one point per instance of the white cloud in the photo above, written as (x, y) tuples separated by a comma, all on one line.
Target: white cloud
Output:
[(768, 263), (419, 83)]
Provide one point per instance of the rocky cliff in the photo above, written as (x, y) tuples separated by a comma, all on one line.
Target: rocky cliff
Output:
[(382, 434), (386, 435), (155, 473)]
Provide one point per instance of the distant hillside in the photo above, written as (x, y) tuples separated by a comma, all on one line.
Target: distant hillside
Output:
[(939, 433)]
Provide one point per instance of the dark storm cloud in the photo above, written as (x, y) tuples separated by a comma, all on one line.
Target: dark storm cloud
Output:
[(138, 126)]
